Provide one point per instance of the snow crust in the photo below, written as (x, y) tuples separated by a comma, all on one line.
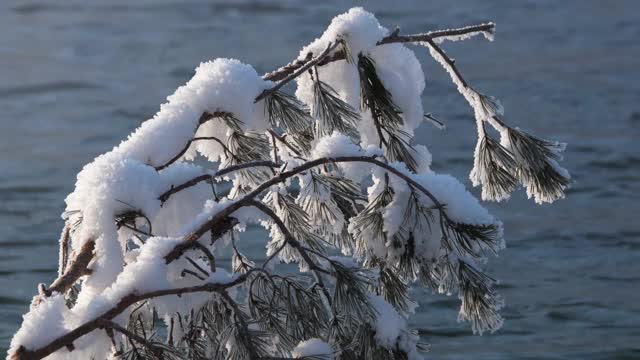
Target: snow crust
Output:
[(312, 347)]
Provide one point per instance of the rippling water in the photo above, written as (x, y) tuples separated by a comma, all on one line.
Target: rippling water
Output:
[(77, 78)]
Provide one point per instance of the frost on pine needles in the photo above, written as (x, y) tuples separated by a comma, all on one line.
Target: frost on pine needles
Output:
[(331, 172)]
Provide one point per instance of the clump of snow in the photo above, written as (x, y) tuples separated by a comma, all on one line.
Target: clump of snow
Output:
[(218, 85), (41, 325), (396, 65), (312, 347), (401, 74), (358, 27), (391, 328)]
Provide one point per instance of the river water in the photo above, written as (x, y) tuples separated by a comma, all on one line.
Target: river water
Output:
[(75, 78)]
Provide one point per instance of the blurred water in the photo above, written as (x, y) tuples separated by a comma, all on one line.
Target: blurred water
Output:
[(77, 77)]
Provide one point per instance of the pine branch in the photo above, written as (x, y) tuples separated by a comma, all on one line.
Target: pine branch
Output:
[(287, 112), (333, 113)]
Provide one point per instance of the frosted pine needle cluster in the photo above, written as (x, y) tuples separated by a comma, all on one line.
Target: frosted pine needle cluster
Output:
[(331, 172)]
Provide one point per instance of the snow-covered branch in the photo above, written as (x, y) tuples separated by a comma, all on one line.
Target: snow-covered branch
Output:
[(330, 170)]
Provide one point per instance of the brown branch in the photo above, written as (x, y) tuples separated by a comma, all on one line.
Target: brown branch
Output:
[(206, 116), (288, 236), (77, 268), (208, 254), (219, 223), (67, 340), (289, 239), (197, 266), (294, 69), (174, 189)]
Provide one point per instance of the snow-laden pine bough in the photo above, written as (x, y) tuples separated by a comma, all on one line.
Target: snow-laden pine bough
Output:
[(144, 223)]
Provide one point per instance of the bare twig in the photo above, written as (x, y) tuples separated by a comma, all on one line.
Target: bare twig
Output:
[(448, 60), (288, 236), (488, 28), (208, 254), (77, 267)]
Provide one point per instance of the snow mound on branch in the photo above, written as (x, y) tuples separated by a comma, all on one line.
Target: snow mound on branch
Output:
[(103, 188), (218, 85), (358, 27), (41, 325), (312, 347), (396, 65), (392, 328)]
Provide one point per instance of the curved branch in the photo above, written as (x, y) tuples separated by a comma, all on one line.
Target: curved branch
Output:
[(281, 177), (67, 340), (222, 172), (220, 222), (186, 147), (289, 239)]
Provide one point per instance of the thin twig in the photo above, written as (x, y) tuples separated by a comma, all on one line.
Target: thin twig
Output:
[(195, 264), (474, 29), (208, 254), (181, 153), (448, 60), (282, 139), (297, 72)]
